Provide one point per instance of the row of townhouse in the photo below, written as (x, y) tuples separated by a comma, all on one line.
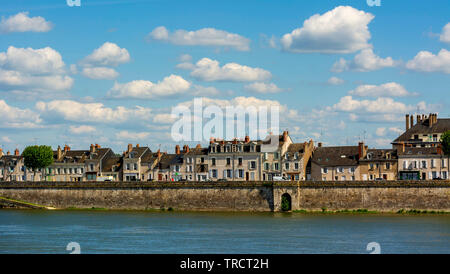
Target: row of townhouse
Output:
[(416, 154)]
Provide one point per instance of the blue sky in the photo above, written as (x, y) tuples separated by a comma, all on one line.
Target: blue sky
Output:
[(394, 59)]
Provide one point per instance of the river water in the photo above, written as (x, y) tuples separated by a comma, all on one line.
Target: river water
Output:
[(36, 231)]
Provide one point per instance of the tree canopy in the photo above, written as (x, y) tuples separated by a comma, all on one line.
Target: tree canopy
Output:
[(38, 156), (445, 141)]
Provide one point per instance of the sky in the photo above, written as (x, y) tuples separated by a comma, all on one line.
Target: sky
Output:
[(111, 71)]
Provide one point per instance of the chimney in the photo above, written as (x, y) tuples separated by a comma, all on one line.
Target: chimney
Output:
[(198, 146), (97, 146), (361, 150), (285, 135), (319, 144), (177, 149), (91, 149), (211, 140), (159, 153), (8, 153), (187, 149), (130, 148), (1, 152), (418, 119), (407, 121), (16, 152), (430, 120), (247, 139), (435, 118), (137, 145), (411, 124), (66, 148), (59, 151)]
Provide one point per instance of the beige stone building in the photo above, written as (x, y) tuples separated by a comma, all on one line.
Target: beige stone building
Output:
[(417, 163), (295, 160), (132, 162), (378, 164), (339, 163), (68, 165), (12, 167)]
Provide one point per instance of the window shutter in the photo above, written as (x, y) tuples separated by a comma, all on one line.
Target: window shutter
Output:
[(224, 173), (237, 173)]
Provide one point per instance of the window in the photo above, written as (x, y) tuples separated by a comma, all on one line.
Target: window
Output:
[(352, 169), (433, 163), (228, 161), (286, 166), (343, 178), (275, 166), (325, 170), (252, 176), (252, 164), (241, 173), (240, 161), (296, 156), (443, 163), (340, 169), (266, 166), (213, 161), (229, 173), (371, 166), (202, 160), (388, 165), (135, 167), (424, 164), (214, 173), (296, 166), (177, 168), (266, 155), (286, 156), (275, 156), (92, 167)]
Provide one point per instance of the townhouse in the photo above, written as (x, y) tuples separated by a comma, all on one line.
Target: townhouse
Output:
[(422, 163), (12, 167), (378, 164), (68, 165), (132, 162), (337, 163), (296, 160)]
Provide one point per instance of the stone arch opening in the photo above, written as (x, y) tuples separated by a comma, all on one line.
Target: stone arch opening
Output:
[(286, 202)]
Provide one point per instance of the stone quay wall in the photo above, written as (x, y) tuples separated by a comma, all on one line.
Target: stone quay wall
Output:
[(383, 196)]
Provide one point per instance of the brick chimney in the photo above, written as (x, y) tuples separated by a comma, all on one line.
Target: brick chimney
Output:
[(59, 152), (158, 153), (285, 135), (8, 153), (211, 140), (1, 152), (247, 139), (430, 120), (97, 146), (16, 152), (177, 149), (130, 147), (198, 146), (407, 121), (319, 144), (361, 150), (186, 150), (66, 148), (418, 119), (137, 145), (411, 124), (92, 148)]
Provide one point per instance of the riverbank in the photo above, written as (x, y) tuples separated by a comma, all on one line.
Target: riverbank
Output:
[(344, 197)]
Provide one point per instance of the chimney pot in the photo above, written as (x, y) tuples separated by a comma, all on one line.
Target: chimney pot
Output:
[(130, 147), (8, 153), (247, 139), (407, 121), (177, 149), (16, 152), (137, 145), (198, 146), (92, 148), (412, 121), (319, 144)]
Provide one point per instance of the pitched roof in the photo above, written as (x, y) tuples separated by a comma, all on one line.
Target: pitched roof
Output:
[(137, 152), (336, 156), (166, 160), (112, 164), (417, 151), (374, 154), (440, 126)]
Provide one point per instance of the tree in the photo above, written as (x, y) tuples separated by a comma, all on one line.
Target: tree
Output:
[(38, 157), (445, 142)]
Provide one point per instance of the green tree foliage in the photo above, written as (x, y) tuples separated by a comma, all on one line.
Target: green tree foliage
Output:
[(38, 156), (445, 141)]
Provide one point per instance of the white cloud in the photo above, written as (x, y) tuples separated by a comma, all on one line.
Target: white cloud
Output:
[(380, 105), (365, 60), (6, 139), (70, 110), (100, 73), (198, 90), (210, 70), (33, 71), (335, 81), (381, 131), (22, 23), (126, 135), (36, 61), (81, 129), (341, 30), (169, 86), (391, 89), (13, 117), (445, 35), (261, 87), (426, 61), (185, 58), (202, 37), (163, 118), (108, 54)]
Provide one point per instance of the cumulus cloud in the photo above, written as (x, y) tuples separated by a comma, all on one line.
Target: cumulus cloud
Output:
[(126, 135), (82, 129), (169, 86), (209, 70), (108, 54), (391, 89), (445, 35), (381, 131), (100, 73), (365, 60), (426, 61), (380, 105), (33, 71), (21, 22), (202, 37), (341, 30), (74, 111), (335, 81), (261, 87), (14, 117)]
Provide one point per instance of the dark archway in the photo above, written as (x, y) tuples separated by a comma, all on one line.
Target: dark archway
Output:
[(286, 202)]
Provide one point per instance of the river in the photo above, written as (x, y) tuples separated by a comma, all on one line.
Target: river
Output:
[(40, 231)]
